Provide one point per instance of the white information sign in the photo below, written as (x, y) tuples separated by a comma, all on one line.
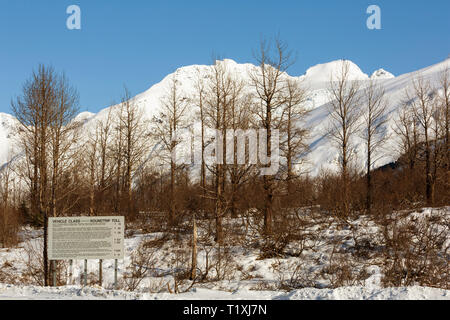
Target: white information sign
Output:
[(86, 238)]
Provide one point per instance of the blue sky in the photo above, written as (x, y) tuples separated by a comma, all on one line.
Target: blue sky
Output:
[(138, 42)]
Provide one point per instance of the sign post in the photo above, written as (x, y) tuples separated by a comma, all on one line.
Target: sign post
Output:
[(115, 274), (100, 272), (85, 273), (83, 238), (70, 271), (54, 273)]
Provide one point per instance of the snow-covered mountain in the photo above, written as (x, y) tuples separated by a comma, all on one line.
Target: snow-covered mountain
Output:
[(316, 79)]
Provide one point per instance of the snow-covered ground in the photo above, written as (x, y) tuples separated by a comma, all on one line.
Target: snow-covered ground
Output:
[(345, 293), (330, 260)]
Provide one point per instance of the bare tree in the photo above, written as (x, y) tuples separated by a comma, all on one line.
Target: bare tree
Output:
[(92, 156), (273, 61), (63, 134), (438, 158), (117, 154), (219, 89), (172, 118), (194, 250), (200, 88), (33, 110), (444, 106), (292, 126), (405, 127), (240, 118), (45, 112), (423, 106), (135, 143), (104, 135), (9, 218), (345, 114), (374, 133)]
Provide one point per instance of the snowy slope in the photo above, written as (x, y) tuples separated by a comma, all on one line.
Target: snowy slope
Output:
[(316, 79), (249, 276), (8, 145)]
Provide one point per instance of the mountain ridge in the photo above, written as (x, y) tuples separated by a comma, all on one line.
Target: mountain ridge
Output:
[(316, 78)]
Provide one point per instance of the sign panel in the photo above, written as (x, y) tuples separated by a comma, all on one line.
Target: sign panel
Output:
[(86, 238)]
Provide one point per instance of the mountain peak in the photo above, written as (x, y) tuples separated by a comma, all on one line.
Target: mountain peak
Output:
[(381, 74), (324, 72)]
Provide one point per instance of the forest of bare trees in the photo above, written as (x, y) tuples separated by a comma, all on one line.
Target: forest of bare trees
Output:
[(126, 164)]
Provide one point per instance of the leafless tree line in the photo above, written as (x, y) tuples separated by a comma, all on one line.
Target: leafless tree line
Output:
[(359, 108), (113, 171)]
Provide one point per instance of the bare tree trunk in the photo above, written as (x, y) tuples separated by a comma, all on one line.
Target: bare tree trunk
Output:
[(135, 144), (445, 121), (428, 180), (294, 113), (203, 165), (424, 108), (194, 251), (219, 89), (375, 118), (268, 180), (200, 98), (269, 84), (369, 180), (344, 115), (219, 184), (92, 154), (172, 193), (104, 133), (171, 119), (42, 200)]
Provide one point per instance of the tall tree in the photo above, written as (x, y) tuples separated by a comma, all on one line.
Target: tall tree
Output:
[(239, 120), (444, 104), (273, 61), (292, 126), (423, 107), (135, 143), (172, 119), (104, 136), (344, 113), (117, 154), (63, 134), (33, 110), (199, 99), (373, 133), (45, 111), (219, 89), (91, 154)]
